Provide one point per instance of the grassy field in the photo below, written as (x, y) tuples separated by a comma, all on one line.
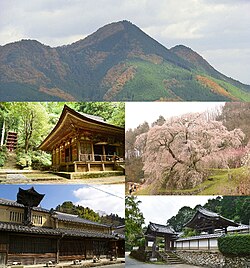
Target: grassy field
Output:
[(220, 182)]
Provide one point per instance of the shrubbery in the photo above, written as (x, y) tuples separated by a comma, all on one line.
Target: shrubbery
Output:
[(237, 245), (35, 160)]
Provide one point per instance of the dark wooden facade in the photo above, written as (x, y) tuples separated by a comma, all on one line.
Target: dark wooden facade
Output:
[(157, 230), (84, 143), (52, 236), (207, 221)]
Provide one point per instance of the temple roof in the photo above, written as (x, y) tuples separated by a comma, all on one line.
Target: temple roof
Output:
[(159, 230), (71, 121), (29, 197), (75, 218), (20, 228), (11, 203), (205, 220), (196, 237)]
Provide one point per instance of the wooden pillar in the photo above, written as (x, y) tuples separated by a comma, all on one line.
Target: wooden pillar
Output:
[(93, 152), (78, 144), (57, 250), (103, 153), (154, 248)]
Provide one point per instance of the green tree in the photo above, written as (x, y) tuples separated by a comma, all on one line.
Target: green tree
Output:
[(134, 220), (182, 217), (83, 212), (32, 124), (112, 112)]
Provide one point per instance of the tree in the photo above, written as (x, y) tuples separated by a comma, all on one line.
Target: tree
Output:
[(32, 123), (236, 115), (83, 212), (177, 154), (134, 220), (112, 112), (159, 122), (182, 217)]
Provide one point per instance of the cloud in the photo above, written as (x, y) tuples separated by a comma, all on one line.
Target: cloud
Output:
[(108, 198), (199, 24), (159, 209)]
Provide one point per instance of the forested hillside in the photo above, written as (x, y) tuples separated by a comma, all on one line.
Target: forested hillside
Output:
[(117, 62), (89, 214)]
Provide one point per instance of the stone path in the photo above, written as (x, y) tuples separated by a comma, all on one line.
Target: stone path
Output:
[(132, 262)]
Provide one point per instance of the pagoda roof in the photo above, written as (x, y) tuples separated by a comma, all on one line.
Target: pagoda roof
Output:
[(159, 230), (29, 197), (205, 220), (72, 121)]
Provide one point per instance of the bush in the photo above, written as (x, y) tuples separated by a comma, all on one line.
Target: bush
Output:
[(41, 160), (23, 160), (34, 159), (236, 245)]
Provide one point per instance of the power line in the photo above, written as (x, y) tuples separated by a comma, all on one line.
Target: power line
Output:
[(90, 186)]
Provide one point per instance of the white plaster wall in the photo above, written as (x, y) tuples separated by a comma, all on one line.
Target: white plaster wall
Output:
[(204, 243)]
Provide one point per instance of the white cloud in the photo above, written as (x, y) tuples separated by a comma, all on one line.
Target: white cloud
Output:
[(108, 198), (159, 209), (199, 24)]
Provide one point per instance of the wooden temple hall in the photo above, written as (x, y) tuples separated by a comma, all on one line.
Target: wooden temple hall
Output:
[(84, 143), (30, 234)]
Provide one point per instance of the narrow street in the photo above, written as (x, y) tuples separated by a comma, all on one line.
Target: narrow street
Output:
[(132, 262)]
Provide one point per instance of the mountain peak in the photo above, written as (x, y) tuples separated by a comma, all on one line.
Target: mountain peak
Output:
[(117, 62)]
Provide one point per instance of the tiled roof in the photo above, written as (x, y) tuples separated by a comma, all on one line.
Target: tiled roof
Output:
[(161, 228), (208, 212), (209, 217), (75, 218), (81, 233), (12, 203), (20, 228), (205, 236)]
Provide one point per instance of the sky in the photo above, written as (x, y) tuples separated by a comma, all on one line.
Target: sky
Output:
[(105, 198), (219, 30), (139, 112), (158, 209)]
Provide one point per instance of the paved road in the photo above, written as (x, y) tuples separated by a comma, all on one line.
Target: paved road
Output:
[(132, 262), (121, 265)]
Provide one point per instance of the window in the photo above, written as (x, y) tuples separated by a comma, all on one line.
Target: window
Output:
[(16, 216)]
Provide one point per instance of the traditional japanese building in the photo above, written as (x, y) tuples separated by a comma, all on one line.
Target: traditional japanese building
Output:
[(30, 234), (211, 226), (155, 230), (84, 143), (207, 221)]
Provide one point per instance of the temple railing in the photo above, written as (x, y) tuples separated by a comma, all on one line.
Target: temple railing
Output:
[(99, 157)]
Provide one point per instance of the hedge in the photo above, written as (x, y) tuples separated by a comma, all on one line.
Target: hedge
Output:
[(236, 245)]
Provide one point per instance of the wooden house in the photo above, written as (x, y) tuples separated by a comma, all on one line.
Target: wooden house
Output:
[(84, 143), (34, 235)]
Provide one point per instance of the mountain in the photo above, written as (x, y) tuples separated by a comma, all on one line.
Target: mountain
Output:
[(117, 62)]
